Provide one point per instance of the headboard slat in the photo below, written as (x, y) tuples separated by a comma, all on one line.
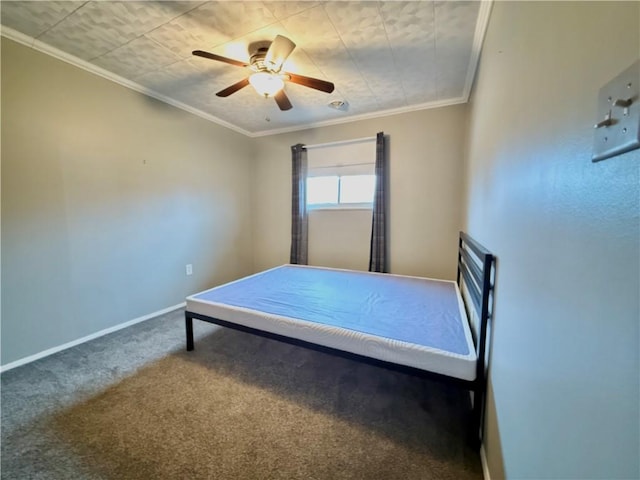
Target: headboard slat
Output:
[(475, 246), (472, 266), (472, 288), (475, 269)]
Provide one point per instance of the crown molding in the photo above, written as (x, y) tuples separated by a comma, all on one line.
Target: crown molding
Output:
[(476, 48), (364, 116), (31, 42)]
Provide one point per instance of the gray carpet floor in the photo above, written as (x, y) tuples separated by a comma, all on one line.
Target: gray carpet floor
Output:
[(136, 405)]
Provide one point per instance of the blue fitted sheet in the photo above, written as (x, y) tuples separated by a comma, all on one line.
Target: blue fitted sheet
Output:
[(415, 310)]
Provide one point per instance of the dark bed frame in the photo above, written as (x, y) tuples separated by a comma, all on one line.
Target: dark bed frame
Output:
[(476, 267)]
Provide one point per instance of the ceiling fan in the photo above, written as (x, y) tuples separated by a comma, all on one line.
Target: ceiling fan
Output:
[(266, 61)]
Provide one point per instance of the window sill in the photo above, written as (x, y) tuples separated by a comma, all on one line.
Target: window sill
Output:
[(344, 206)]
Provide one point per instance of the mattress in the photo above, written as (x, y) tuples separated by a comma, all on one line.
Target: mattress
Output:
[(412, 321)]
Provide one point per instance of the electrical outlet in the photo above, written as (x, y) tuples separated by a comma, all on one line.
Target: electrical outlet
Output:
[(189, 269)]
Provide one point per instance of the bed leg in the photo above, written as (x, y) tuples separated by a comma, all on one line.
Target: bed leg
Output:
[(475, 424), (188, 320)]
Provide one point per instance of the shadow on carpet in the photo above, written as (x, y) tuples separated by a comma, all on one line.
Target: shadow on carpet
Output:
[(245, 407)]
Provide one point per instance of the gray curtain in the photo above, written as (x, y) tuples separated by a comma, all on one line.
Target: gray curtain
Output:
[(299, 219), (378, 253)]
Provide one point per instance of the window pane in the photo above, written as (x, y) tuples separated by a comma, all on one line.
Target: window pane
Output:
[(322, 190), (357, 188)]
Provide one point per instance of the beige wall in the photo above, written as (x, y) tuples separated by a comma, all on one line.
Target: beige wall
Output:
[(564, 370), (340, 238), (106, 195), (425, 170)]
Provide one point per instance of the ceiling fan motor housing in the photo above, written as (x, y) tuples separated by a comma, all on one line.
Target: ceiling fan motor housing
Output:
[(257, 60)]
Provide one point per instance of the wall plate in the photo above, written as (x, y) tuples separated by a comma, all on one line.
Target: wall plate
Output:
[(618, 125)]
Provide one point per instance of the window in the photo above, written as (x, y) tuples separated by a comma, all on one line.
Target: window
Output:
[(357, 188), (322, 190), (345, 191), (341, 175)]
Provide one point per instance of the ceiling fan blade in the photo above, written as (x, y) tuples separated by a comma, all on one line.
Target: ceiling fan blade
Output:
[(310, 82), (233, 88), (213, 56), (279, 50), (282, 100)]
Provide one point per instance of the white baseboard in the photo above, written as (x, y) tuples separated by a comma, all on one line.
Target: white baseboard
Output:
[(485, 466), (106, 331)]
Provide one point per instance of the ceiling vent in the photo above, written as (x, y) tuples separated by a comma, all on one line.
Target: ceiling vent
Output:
[(341, 105)]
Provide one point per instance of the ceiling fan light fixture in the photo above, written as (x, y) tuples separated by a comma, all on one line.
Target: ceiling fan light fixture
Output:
[(266, 84)]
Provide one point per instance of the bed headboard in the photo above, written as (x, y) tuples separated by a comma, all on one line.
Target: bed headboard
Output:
[(476, 273)]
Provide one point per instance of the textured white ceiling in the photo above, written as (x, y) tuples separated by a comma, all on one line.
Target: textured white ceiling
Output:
[(383, 57)]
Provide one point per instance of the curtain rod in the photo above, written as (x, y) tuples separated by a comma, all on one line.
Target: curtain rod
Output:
[(342, 142)]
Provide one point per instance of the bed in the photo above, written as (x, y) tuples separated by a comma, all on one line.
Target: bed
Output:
[(423, 326)]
